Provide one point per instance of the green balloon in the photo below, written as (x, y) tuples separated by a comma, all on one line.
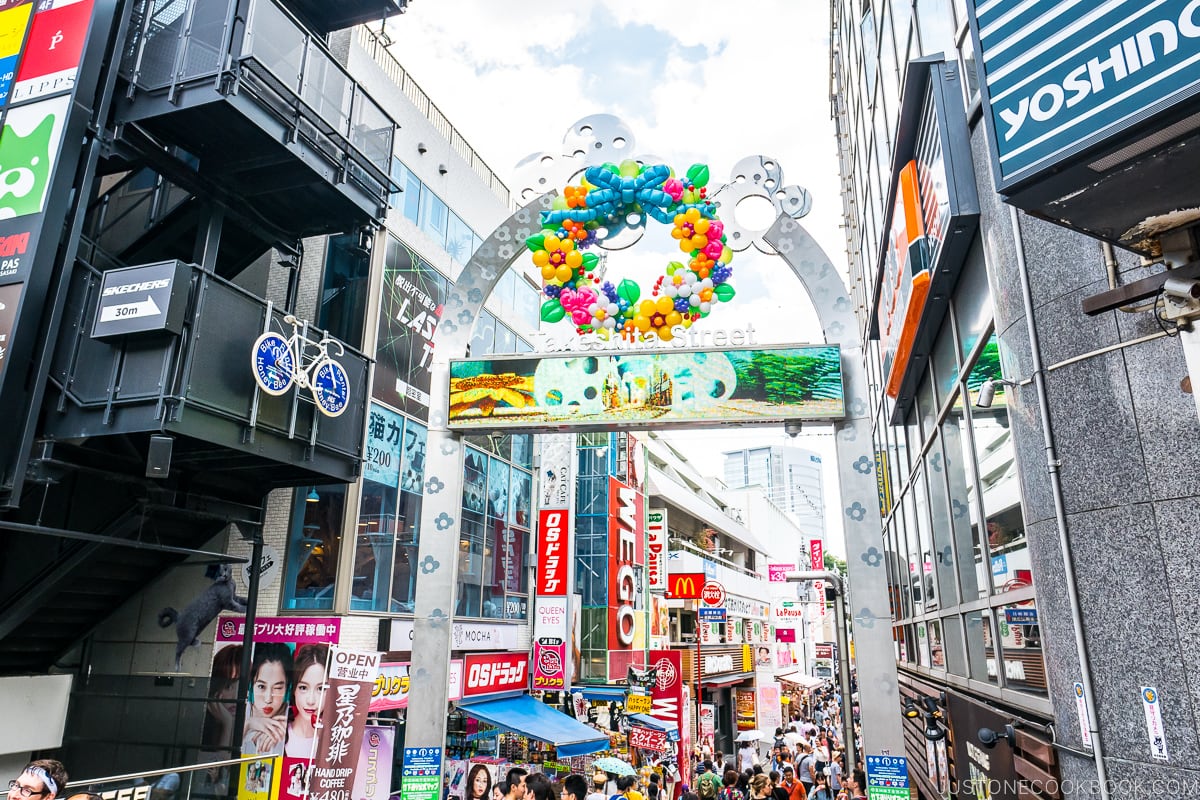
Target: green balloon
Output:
[(590, 260), (724, 292), (611, 167), (629, 290), (629, 168), (559, 203), (698, 175), (535, 243), (552, 311)]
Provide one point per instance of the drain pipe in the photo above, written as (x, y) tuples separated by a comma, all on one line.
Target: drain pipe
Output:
[(1060, 512)]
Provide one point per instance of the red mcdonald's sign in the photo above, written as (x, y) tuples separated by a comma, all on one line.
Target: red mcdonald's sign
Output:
[(685, 585)]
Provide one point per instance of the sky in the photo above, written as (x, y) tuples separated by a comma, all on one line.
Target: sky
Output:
[(699, 82)]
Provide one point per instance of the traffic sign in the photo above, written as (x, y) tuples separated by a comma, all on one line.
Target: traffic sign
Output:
[(710, 614), (712, 594)]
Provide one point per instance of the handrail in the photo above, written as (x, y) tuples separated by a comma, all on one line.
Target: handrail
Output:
[(132, 776)]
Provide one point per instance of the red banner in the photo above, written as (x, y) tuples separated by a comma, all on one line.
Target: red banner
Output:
[(666, 695), (685, 585), (553, 552), (626, 531), (347, 697), (816, 554), (648, 739), (490, 673)]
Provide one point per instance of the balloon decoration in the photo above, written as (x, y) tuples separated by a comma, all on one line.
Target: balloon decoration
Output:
[(687, 290)]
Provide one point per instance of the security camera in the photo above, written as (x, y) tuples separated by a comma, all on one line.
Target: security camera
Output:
[(1185, 289), (792, 427), (987, 394)]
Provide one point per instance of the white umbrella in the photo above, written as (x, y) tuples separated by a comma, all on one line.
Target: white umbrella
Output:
[(750, 736)]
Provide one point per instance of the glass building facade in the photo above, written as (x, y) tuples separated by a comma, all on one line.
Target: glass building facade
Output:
[(954, 542)]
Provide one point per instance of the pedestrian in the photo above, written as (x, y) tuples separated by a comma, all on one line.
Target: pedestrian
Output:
[(515, 778), (627, 787), (599, 779), (653, 789), (575, 787), (537, 786), (708, 783), (729, 790), (835, 772), (795, 788), (760, 788), (821, 790), (42, 779), (747, 756), (806, 768), (718, 763)]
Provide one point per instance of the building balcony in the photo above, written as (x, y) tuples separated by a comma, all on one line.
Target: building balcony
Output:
[(324, 16), (261, 110)]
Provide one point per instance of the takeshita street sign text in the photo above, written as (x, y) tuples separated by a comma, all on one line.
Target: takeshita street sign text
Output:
[(647, 389)]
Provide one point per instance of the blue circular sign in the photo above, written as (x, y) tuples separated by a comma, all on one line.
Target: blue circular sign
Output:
[(331, 388), (273, 363)]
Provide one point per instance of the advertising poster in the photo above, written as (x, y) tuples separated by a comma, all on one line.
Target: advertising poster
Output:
[(53, 50), (385, 431), (392, 684), (777, 573), (287, 672), (668, 696), (744, 703), (29, 149), (549, 659), (343, 718), (769, 706), (647, 388), (413, 294), (13, 22), (373, 780), (549, 665)]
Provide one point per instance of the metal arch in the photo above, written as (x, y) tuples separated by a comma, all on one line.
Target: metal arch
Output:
[(874, 653), (441, 503)]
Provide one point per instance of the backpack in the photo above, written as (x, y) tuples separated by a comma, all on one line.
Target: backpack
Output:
[(731, 793), (707, 786)]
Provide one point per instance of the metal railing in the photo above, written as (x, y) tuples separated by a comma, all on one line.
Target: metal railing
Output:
[(391, 67)]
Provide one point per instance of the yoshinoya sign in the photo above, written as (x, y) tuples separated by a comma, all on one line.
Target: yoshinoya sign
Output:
[(656, 548), (152, 297), (1061, 78)]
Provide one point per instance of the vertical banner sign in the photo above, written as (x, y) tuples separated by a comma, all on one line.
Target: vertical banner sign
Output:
[(343, 721), (744, 702), (373, 780), (551, 611), (816, 554), (656, 549), (625, 543), (769, 706), (708, 721), (1085, 724), (384, 432), (667, 695), (1155, 730)]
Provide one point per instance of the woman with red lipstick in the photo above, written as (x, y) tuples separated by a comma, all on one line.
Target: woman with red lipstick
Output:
[(308, 679), (266, 718)]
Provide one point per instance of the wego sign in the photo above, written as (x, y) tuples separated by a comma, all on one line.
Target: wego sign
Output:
[(625, 543)]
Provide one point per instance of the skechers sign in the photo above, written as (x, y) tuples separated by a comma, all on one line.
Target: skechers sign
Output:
[(1061, 77), (142, 299)]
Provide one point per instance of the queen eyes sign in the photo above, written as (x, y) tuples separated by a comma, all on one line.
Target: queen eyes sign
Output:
[(647, 389)]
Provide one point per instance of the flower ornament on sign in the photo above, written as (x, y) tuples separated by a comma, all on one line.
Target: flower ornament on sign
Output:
[(627, 193)]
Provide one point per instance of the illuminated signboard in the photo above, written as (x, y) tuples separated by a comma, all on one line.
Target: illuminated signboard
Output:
[(626, 532), (930, 223), (647, 389)]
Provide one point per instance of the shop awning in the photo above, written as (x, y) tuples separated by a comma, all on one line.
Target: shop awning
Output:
[(800, 679), (601, 692), (647, 721), (528, 717), (728, 680)]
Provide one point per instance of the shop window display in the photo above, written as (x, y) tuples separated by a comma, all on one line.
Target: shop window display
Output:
[(313, 546)]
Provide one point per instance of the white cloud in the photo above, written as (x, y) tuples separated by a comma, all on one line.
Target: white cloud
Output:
[(730, 80)]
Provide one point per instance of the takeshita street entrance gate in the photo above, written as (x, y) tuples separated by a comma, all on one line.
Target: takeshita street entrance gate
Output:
[(440, 522)]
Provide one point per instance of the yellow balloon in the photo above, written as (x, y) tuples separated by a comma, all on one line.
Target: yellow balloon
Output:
[(726, 256), (674, 318), (680, 219), (646, 308), (665, 334), (551, 243), (686, 245), (663, 305), (699, 241), (701, 225), (641, 323), (541, 258), (677, 233), (692, 215), (566, 245), (563, 273), (548, 272), (574, 259)]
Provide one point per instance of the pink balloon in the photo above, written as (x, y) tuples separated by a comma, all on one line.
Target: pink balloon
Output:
[(580, 316), (673, 187), (714, 249), (715, 229)]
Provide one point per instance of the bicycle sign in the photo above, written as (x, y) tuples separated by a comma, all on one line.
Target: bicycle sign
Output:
[(279, 362)]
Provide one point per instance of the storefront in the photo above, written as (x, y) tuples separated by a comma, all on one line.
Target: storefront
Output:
[(722, 671)]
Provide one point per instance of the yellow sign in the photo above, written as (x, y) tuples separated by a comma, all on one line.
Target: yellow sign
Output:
[(638, 704)]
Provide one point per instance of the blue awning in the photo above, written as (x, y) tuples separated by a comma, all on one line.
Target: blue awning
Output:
[(647, 721), (528, 717), (601, 692)]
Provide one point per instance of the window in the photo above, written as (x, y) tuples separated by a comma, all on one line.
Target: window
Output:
[(434, 216), (344, 293), (459, 239), (313, 546), (869, 46), (408, 199)]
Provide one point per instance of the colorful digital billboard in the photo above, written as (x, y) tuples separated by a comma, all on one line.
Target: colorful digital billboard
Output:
[(647, 389)]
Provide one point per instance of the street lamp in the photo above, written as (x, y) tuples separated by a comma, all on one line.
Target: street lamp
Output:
[(835, 580)]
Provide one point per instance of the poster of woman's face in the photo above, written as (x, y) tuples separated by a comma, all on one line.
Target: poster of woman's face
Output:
[(474, 481), (521, 483), (497, 489)]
